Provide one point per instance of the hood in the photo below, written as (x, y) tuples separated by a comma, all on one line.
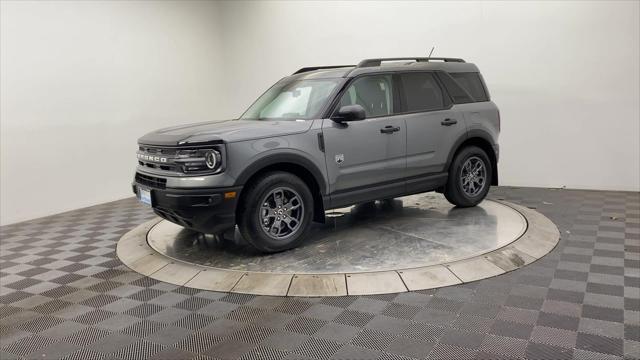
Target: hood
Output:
[(223, 131)]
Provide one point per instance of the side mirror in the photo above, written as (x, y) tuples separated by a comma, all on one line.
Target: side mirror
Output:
[(350, 113)]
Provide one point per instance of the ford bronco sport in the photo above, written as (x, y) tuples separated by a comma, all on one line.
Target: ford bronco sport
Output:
[(322, 138)]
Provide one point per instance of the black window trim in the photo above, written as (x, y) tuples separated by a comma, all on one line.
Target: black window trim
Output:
[(398, 94), (445, 94), (483, 86), (336, 100), (441, 74)]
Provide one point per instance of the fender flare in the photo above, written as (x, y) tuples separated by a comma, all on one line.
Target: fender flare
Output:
[(288, 155), (475, 133), (471, 134)]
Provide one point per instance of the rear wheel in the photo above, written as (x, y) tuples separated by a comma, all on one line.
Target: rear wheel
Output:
[(276, 212), (469, 177)]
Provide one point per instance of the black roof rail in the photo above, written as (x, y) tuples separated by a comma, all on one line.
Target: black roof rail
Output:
[(378, 62), (312, 68)]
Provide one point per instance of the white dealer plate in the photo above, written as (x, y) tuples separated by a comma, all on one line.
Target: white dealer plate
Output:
[(144, 195)]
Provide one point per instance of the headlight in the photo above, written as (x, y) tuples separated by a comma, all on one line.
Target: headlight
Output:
[(194, 161), (212, 159)]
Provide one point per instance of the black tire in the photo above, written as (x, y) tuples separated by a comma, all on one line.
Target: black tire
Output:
[(454, 191), (250, 215)]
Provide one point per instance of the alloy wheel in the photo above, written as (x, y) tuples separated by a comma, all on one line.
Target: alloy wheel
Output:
[(281, 212), (473, 176)]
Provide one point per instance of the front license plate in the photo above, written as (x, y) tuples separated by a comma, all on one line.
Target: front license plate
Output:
[(144, 195)]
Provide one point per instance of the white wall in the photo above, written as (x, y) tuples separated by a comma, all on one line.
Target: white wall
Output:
[(564, 74), (81, 81)]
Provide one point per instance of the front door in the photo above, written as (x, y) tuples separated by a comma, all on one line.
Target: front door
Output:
[(366, 159)]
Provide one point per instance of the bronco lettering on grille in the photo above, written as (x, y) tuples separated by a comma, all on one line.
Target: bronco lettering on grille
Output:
[(152, 158)]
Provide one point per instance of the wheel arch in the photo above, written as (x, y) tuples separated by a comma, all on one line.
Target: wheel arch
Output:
[(482, 140), (296, 165)]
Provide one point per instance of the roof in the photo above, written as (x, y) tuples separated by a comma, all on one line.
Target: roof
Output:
[(368, 66), (329, 73)]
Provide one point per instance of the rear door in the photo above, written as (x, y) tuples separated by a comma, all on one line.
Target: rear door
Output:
[(366, 159), (433, 127)]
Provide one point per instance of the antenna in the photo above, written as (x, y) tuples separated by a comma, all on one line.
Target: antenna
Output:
[(430, 52)]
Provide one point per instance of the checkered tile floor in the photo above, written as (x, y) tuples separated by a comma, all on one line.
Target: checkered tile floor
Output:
[(64, 294)]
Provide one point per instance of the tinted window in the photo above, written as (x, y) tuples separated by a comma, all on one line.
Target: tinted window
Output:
[(457, 93), (421, 92), (472, 83), (373, 93)]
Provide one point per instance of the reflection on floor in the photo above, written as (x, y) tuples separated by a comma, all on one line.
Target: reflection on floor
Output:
[(63, 294), (409, 232)]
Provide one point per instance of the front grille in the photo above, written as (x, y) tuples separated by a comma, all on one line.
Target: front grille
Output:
[(157, 150), (157, 166), (167, 153), (183, 160), (151, 181)]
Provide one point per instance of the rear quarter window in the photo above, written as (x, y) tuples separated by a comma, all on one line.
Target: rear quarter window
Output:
[(470, 81), (457, 93)]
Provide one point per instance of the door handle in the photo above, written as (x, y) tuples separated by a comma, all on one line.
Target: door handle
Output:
[(448, 122), (389, 129)]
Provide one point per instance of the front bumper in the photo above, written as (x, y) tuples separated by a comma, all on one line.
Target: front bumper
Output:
[(209, 211)]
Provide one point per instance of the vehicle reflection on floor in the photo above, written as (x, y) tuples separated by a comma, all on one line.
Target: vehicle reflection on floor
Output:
[(412, 231)]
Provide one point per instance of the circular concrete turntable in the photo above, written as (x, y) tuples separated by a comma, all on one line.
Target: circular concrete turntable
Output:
[(412, 243)]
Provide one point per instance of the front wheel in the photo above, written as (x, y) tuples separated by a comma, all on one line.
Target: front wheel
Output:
[(276, 212), (469, 177)]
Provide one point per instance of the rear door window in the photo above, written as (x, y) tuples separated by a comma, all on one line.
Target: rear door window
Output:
[(471, 82), (421, 92)]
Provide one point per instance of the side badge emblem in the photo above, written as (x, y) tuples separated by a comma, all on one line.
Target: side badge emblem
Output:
[(339, 159)]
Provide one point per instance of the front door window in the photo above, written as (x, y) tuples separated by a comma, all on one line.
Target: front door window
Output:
[(373, 93)]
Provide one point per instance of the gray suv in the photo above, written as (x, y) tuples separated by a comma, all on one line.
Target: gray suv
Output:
[(323, 138)]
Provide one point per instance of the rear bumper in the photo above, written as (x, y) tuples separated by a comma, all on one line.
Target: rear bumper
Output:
[(208, 211)]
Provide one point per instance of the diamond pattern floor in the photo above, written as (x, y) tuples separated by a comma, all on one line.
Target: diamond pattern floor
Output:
[(64, 294)]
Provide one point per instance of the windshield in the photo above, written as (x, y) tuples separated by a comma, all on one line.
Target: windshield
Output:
[(303, 99)]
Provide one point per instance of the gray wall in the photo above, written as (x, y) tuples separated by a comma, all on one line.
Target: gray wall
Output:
[(81, 81), (564, 74)]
